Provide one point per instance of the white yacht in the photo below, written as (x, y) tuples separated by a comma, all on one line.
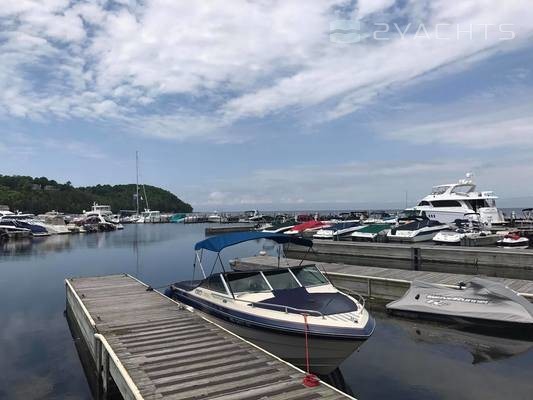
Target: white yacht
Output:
[(449, 202), (215, 218), (149, 217), (55, 222)]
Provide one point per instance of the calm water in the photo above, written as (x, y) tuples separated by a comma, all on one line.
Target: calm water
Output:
[(402, 360)]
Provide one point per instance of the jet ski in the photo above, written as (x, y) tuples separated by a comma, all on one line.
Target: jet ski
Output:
[(513, 240), (478, 300)]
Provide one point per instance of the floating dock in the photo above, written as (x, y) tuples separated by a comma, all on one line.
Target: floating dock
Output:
[(499, 262), (375, 282), (219, 230), (152, 347)]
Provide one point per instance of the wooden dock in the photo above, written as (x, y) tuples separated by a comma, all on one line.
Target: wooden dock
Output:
[(154, 348), (379, 283), (503, 263), (219, 230)]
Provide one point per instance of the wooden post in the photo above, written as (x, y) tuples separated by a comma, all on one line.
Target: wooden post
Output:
[(98, 359)]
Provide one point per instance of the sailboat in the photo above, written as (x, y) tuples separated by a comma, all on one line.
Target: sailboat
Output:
[(147, 216)]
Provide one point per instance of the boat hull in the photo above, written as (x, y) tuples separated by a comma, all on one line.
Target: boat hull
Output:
[(275, 325), (325, 355)]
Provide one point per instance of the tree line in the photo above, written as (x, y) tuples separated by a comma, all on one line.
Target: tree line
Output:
[(39, 195)]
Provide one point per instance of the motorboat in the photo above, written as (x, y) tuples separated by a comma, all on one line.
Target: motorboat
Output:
[(421, 229), (280, 228), (478, 300), (253, 216), (149, 217), (55, 222), (513, 240), (177, 218), (215, 218), (337, 230), (449, 202), (380, 217), (464, 229), (277, 307), (370, 233), (308, 226), (26, 221), (9, 229)]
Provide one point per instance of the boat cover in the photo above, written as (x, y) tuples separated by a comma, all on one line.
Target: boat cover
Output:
[(220, 242), (373, 228), (300, 298), (478, 299)]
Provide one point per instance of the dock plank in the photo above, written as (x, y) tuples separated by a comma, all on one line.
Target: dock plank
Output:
[(172, 353)]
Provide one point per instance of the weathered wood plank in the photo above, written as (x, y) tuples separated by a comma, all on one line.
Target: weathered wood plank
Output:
[(170, 352)]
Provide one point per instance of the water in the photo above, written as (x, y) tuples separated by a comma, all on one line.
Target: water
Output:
[(403, 359)]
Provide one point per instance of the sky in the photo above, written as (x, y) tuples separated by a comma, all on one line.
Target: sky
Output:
[(289, 104)]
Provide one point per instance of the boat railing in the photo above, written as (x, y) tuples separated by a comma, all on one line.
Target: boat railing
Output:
[(359, 297), (283, 308)]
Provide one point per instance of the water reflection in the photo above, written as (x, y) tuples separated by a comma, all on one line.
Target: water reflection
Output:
[(403, 359), (483, 345)]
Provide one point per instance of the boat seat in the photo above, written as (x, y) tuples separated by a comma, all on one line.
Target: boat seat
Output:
[(300, 298)]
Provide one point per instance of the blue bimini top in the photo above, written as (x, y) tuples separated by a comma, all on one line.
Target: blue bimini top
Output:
[(220, 242)]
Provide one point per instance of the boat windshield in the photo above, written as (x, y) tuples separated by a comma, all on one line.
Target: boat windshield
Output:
[(309, 276), (250, 282), (281, 279)]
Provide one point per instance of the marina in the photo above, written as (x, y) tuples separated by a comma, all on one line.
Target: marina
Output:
[(148, 253)]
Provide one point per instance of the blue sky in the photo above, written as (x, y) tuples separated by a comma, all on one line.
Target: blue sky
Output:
[(246, 104)]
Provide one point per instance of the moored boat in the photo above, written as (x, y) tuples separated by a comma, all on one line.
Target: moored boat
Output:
[(276, 307), (477, 301), (513, 240), (421, 229), (338, 230), (370, 233)]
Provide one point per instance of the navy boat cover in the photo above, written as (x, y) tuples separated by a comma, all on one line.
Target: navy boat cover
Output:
[(220, 242), (325, 303)]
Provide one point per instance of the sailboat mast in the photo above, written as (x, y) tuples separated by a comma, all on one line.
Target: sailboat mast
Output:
[(137, 180)]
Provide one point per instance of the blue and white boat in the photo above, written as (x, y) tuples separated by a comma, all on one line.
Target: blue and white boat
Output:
[(25, 221), (276, 307)]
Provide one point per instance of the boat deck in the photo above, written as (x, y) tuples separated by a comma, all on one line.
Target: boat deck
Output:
[(386, 283), (154, 348)]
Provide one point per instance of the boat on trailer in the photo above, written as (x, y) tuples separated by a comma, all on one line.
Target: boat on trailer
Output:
[(277, 307)]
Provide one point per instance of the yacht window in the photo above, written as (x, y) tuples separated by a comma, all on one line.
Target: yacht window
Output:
[(478, 203), (214, 283), (424, 203), (463, 189), (247, 282), (439, 189), (281, 279), (309, 276), (445, 203)]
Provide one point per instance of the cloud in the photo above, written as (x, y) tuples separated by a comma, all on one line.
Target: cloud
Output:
[(189, 70), (501, 118)]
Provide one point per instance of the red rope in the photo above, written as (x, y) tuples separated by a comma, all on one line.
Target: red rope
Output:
[(309, 380)]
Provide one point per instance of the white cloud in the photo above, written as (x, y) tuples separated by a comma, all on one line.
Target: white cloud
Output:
[(367, 7), (185, 70), (493, 119)]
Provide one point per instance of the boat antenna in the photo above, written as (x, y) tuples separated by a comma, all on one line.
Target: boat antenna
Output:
[(137, 180)]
